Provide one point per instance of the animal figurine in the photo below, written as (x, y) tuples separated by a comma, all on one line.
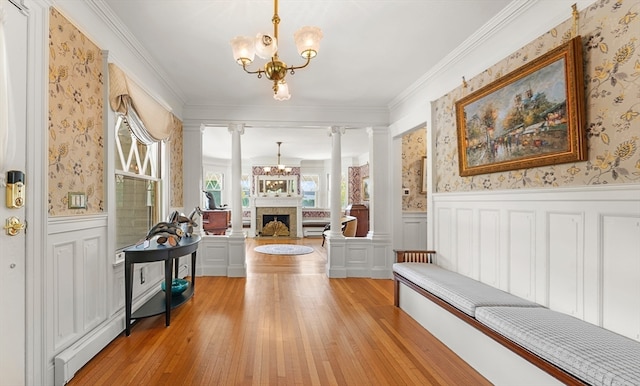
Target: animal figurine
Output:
[(211, 204), (165, 232), (171, 231)]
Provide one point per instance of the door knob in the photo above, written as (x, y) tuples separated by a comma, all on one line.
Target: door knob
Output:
[(13, 226)]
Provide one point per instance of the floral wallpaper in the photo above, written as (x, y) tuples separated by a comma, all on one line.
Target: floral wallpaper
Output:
[(610, 33), (76, 132), (175, 164), (414, 147), (355, 194)]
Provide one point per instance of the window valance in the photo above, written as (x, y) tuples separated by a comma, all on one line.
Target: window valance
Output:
[(148, 120)]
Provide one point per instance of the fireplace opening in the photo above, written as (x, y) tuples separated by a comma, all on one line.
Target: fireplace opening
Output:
[(275, 225)]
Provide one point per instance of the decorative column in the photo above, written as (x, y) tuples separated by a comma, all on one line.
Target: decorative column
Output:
[(380, 192), (237, 258), (336, 243), (236, 131), (336, 178)]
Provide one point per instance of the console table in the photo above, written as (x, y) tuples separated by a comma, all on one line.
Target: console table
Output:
[(162, 302)]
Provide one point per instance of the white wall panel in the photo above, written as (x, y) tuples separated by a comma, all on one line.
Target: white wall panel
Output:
[(444, 238), (521, 253), (414, 230), (566, 263), (621, 275), (93, 284), (117, 290), (357, 260), (464, 242), (489, 246), (212, 256), (64, 294)]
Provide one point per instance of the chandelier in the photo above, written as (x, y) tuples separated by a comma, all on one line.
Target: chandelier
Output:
[(279, 169), (266, 47)]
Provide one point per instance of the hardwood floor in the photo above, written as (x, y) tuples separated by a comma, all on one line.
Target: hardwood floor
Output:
[(286, 323)]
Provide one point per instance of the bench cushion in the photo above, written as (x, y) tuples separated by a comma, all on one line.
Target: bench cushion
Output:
[(458, 290), (591, 353)]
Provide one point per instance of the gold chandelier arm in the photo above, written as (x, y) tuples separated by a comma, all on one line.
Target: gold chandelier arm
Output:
[(292, 68), (259, 72)]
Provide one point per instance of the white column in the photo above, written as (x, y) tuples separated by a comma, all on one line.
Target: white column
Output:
[(381, 190), (236, 131), (237, 258), (336, 243), (336, 178)]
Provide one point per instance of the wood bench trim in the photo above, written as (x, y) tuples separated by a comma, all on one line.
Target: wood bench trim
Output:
[(541, 363)]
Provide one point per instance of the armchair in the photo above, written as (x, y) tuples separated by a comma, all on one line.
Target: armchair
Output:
[(349, 227)]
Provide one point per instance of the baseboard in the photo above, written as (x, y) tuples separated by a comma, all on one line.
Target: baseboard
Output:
[(68, 362)]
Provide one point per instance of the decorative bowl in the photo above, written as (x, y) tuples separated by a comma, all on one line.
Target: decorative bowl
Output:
[(178, 286)]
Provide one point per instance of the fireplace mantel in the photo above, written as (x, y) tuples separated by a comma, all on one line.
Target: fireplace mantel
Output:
[(278, 202)]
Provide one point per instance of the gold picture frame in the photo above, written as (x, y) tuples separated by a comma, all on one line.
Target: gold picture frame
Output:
[(531, 117)]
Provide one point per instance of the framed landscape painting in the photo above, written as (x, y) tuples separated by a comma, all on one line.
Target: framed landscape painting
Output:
[(531, 117)]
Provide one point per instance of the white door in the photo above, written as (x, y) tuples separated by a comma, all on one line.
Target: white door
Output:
[(12, 248)]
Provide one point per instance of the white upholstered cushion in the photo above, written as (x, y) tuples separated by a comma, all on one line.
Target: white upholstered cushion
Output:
[(591, 353), (458, 290)]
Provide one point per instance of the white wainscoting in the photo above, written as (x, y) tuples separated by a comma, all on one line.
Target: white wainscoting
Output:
[(213, 256), (84, 301), (576, 251), (76, 278), (76, 281), (414, 229)]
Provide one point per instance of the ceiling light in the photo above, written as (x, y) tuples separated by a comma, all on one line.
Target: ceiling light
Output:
[(279, 169), (266, 47)]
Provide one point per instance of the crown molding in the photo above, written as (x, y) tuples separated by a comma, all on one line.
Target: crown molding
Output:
[(120, 30), (493, 27), (286, 115)]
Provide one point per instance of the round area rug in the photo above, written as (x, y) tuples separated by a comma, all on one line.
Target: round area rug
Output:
[(283, 249)]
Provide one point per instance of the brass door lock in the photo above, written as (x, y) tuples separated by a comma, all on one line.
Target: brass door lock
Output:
[(14, 226)]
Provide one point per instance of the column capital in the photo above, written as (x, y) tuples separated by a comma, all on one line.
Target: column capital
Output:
[(335, 130), (377, 130), (236, 127)]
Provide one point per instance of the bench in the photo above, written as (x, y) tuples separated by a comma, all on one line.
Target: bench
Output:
[(569, 349)]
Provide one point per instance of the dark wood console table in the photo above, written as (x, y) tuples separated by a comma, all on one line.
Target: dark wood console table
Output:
[(163, 301)]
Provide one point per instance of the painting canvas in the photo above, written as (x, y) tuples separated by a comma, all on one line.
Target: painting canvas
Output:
[(365, 189), (529, 118)]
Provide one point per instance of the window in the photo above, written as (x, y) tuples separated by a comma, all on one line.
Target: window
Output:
[(138, 196), (246, 190), (213, 183), (309, 187)]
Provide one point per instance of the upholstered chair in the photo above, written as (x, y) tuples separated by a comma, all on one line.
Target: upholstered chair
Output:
[(349, 227)]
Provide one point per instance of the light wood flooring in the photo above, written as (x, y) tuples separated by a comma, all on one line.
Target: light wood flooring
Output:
[(286, 323)]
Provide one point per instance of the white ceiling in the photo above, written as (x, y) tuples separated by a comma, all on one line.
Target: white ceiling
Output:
[(371, 52)]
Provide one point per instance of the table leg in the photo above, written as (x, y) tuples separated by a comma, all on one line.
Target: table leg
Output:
[(128, 290), (193, 271), (167, 292)]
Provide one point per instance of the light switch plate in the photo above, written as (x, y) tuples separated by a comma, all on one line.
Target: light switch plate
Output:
[(77, 200)]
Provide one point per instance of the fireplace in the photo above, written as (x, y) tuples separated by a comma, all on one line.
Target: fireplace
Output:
[(288, 210), (275, 225)]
